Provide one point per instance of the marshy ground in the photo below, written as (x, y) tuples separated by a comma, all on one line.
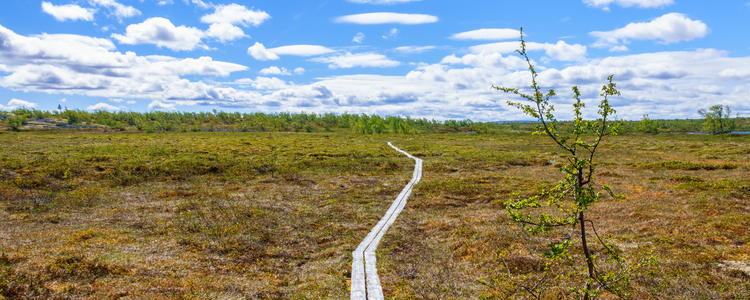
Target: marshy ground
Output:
[(207, 215)]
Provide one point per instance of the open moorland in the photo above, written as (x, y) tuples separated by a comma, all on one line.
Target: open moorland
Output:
[(89, 214)]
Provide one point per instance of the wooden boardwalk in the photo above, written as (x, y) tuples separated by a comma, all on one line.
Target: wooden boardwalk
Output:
[(365, 280)]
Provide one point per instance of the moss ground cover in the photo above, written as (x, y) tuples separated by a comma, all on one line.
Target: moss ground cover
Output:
[(233, 215)]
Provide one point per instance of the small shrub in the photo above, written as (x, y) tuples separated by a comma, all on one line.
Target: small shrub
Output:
[(647, 125), (15, 123), (17, 285), (573, 195), (718, 119), (75, 266), (86, 197), (123, 176), (33, 194), (264, 164)]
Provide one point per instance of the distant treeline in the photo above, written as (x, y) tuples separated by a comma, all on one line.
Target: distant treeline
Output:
[(258, 121), (646, 125), (310, 122)]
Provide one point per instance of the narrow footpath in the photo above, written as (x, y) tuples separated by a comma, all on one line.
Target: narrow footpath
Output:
[(365, 280)]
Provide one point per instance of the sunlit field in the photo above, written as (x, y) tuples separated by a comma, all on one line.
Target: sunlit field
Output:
[(274, 215)]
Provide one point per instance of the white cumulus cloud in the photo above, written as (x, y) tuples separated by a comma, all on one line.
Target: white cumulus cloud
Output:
[(299, 71), (68, 12), (486, 60), (393, 33), (225, 32), (734, 73), (203, 65), (349, 60), (161, 32), (198, 3), (604, 4), (414, 49), (274, 70), (560, 51), (17, 103), (259, 52), (117, 9), (669, 28), (158, 105), (57, 49), (488, 34), (269, 83), (264, 83), (387, 18), (79, 65), (102, 106), (236, 14), (301, 50), (358, 38), (565, 52)]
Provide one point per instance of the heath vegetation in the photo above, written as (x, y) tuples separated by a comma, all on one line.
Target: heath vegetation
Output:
[(258, 215)]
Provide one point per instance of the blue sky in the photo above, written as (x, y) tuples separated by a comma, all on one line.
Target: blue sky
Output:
[(423, 58)]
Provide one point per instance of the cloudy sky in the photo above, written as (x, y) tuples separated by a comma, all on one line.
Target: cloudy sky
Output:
[(423, 58)]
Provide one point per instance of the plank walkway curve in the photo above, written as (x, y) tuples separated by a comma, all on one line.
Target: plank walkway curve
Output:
[(365, 281)]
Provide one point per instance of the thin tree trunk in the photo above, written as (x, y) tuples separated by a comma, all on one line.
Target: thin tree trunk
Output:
[(587, 253), (584, 244)]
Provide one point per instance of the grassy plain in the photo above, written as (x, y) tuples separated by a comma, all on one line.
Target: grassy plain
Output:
[(233, 215)]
